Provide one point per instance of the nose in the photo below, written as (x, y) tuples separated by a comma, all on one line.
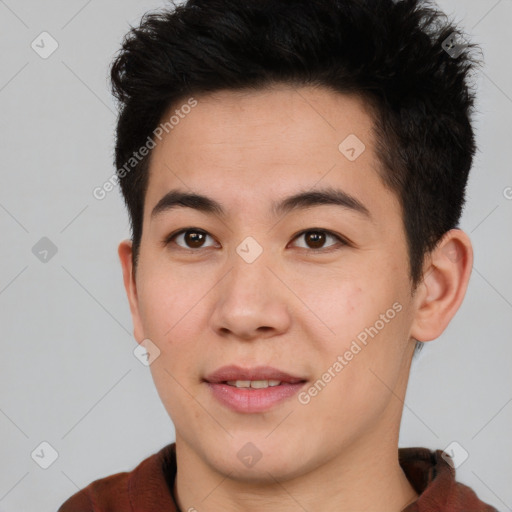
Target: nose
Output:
[(251, 302)]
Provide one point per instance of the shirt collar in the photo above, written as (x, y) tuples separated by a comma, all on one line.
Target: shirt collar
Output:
[(151, 485)]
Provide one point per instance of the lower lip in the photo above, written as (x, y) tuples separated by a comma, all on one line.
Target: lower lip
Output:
[(250, 400)]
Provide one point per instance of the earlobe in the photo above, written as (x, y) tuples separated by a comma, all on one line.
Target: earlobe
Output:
[(444, 286), (125, 256)]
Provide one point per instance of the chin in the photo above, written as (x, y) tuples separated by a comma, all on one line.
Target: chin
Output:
[(263, 472), (258, 461)]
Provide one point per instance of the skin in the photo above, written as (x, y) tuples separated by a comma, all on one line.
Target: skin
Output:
[(297, 307)]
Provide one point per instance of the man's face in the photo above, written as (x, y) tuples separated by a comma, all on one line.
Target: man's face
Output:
[(263, 287)]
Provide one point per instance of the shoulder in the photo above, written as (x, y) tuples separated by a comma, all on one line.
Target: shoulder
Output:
[(104, 494), (125, 491)]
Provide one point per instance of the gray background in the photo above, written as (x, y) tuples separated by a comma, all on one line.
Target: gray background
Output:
[(68, 373)]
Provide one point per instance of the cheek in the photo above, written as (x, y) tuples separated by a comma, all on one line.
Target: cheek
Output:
[(366, 320), (169, 300), (340, 308), (360, 367)]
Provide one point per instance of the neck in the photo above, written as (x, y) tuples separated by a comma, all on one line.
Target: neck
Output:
[(366, 480)]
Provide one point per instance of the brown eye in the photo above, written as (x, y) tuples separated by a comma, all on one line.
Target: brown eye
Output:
[(315, 239), (192, 238)]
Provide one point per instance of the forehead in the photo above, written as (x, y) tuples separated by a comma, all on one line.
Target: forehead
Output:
[(243, 146), (282, 118)]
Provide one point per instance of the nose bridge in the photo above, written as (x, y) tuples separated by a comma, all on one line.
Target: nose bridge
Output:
[(248, 298), (249, 275)]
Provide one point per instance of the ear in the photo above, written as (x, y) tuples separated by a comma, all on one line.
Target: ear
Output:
[(125, 256), (446, 277)]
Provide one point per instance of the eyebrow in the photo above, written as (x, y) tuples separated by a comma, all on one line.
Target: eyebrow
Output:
[(318, 197)]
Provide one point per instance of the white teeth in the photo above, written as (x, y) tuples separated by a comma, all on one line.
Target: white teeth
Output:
[(240, 383), (256, 384)]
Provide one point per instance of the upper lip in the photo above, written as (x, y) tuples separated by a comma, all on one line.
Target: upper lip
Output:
[(233, 372)]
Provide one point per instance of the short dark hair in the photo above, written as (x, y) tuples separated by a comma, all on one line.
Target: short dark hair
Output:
[(395, 55)]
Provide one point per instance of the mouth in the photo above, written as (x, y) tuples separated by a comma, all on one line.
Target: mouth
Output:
[(252, 390), (235, 374), (253, 384)]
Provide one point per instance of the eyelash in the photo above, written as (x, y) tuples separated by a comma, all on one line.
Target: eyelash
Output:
[(169, 239)]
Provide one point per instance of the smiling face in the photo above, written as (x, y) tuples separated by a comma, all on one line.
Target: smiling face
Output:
[(250, 279)]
